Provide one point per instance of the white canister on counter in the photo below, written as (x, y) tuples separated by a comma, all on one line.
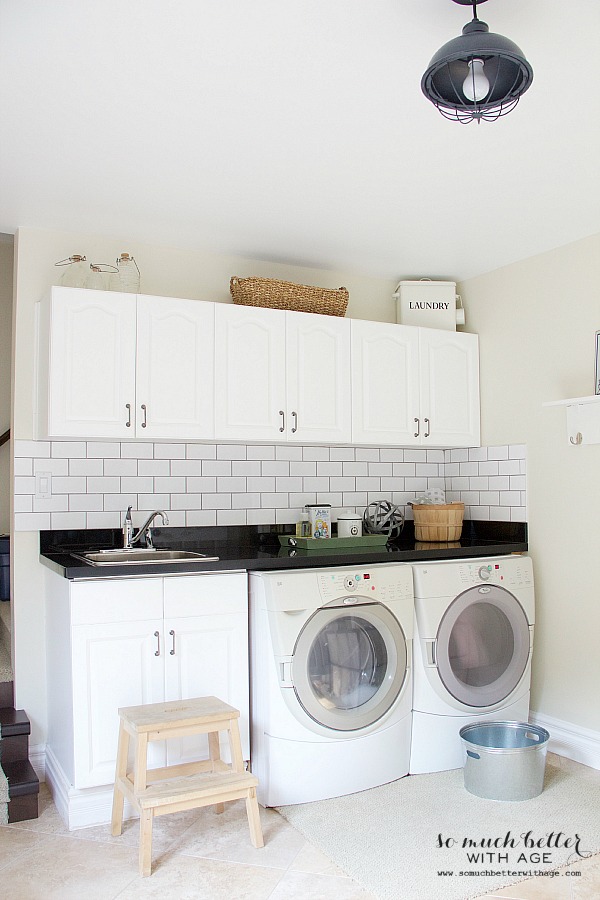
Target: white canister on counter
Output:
[(349, 524)]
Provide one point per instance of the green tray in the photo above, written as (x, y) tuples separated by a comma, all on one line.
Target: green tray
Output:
[(324, 544)]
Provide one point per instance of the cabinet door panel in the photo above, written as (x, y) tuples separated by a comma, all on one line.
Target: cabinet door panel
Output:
[(450, 387), (91, 364), (385, 383), (318, 378), (249, 372), (209, 658), (102, 654), (175, 353)]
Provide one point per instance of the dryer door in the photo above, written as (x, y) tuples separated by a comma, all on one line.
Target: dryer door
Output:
[(349, 665), (482, 646)]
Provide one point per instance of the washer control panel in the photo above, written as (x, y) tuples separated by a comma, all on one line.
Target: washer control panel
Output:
[(377, 584), (509, 572)]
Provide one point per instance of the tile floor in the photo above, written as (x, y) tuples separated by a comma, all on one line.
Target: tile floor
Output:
[(198, 855)]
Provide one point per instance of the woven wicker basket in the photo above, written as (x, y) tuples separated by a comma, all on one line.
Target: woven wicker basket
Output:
[(442, 522), (286, 295)]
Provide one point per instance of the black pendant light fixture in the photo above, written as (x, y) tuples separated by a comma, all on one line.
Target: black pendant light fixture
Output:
[(479, 75)]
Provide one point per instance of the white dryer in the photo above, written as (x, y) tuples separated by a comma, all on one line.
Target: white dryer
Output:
[(473, 640), (331, 684)]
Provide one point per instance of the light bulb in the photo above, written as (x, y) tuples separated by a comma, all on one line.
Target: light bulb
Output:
[(476, 86)]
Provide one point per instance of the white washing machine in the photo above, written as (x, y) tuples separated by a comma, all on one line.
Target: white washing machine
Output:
[(331, 682), (473, 640)]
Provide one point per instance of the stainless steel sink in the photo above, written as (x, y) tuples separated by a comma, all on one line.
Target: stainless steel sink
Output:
[(141, 556)]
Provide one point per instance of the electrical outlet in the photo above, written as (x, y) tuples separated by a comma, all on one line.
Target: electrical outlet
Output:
[(43, 485)]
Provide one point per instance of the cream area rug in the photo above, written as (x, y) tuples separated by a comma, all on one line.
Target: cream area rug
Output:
[(425, 836)]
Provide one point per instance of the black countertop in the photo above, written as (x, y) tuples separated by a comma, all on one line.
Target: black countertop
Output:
[(258, 547)]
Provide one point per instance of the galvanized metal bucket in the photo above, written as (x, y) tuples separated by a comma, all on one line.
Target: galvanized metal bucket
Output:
[(504, 760)]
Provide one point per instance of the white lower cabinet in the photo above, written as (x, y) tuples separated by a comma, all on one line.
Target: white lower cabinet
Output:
[(126, 642)]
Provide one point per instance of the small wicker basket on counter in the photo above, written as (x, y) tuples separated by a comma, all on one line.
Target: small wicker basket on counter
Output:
[(268, 292), (438, 522)]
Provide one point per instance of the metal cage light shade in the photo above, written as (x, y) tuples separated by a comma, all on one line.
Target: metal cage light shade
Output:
[(479, 75)]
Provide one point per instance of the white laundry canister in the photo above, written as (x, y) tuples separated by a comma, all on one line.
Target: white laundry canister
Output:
[(426, 303), (349, 525)]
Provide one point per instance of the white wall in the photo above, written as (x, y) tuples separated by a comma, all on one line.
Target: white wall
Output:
[(536, 320), (6, 292)]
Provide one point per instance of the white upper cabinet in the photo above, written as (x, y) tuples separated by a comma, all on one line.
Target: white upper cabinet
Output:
[(318, 378), (385, 383), (414, 386), (175, 358), (117, 365), (87, 364), (449, 376), (249, 372), (281, 376)]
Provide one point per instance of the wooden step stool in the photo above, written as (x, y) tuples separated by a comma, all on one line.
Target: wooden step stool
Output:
[(156, 792)]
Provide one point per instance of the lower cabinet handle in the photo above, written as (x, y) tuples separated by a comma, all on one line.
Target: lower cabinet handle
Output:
[(157, 636), (128, 408), (418, 428), (295, 418), (427, 428), (282, 414), (144, 411), (172, 650)]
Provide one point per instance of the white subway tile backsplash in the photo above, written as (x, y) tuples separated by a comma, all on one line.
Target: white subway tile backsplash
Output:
[(69, 449), (343, 454), (120, 466), (86, 466), (216, 467), (161, 467), (169, 451), (54, 466), (137, 450), (199, 485), (275, 467), (103, 450), (260, 452), (316, 453), (104, 485), (231, 451), (24, 484), (289, 452), (201, 451), (23, 466), (206, 484)]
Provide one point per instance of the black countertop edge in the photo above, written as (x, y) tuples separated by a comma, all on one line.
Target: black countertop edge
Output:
[(257, 548)]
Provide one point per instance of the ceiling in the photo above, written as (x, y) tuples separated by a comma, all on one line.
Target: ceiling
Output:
[(296, 131)]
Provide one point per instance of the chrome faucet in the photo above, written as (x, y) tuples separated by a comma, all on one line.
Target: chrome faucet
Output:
[(145, 531)]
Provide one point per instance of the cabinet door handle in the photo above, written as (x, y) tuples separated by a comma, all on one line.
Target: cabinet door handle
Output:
[(144, 411), (128, 408), (295, 418), (418, 428), (157, 636), (172, 650), (282, 414), (427, 428)]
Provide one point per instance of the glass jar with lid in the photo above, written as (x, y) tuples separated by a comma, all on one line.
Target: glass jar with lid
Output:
[(76, 271)]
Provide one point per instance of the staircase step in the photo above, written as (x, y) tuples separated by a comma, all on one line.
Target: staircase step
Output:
[(13, 722), (7, 697), (14, 731), (23, 790)]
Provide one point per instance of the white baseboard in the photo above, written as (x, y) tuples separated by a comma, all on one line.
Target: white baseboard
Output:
[(37, 758), (80, 808), (572, 741)]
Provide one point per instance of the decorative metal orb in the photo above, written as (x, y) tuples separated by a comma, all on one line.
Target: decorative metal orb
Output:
[(382, 517)]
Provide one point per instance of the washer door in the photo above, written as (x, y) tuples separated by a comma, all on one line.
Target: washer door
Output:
[(482, 646), (349, 665)]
